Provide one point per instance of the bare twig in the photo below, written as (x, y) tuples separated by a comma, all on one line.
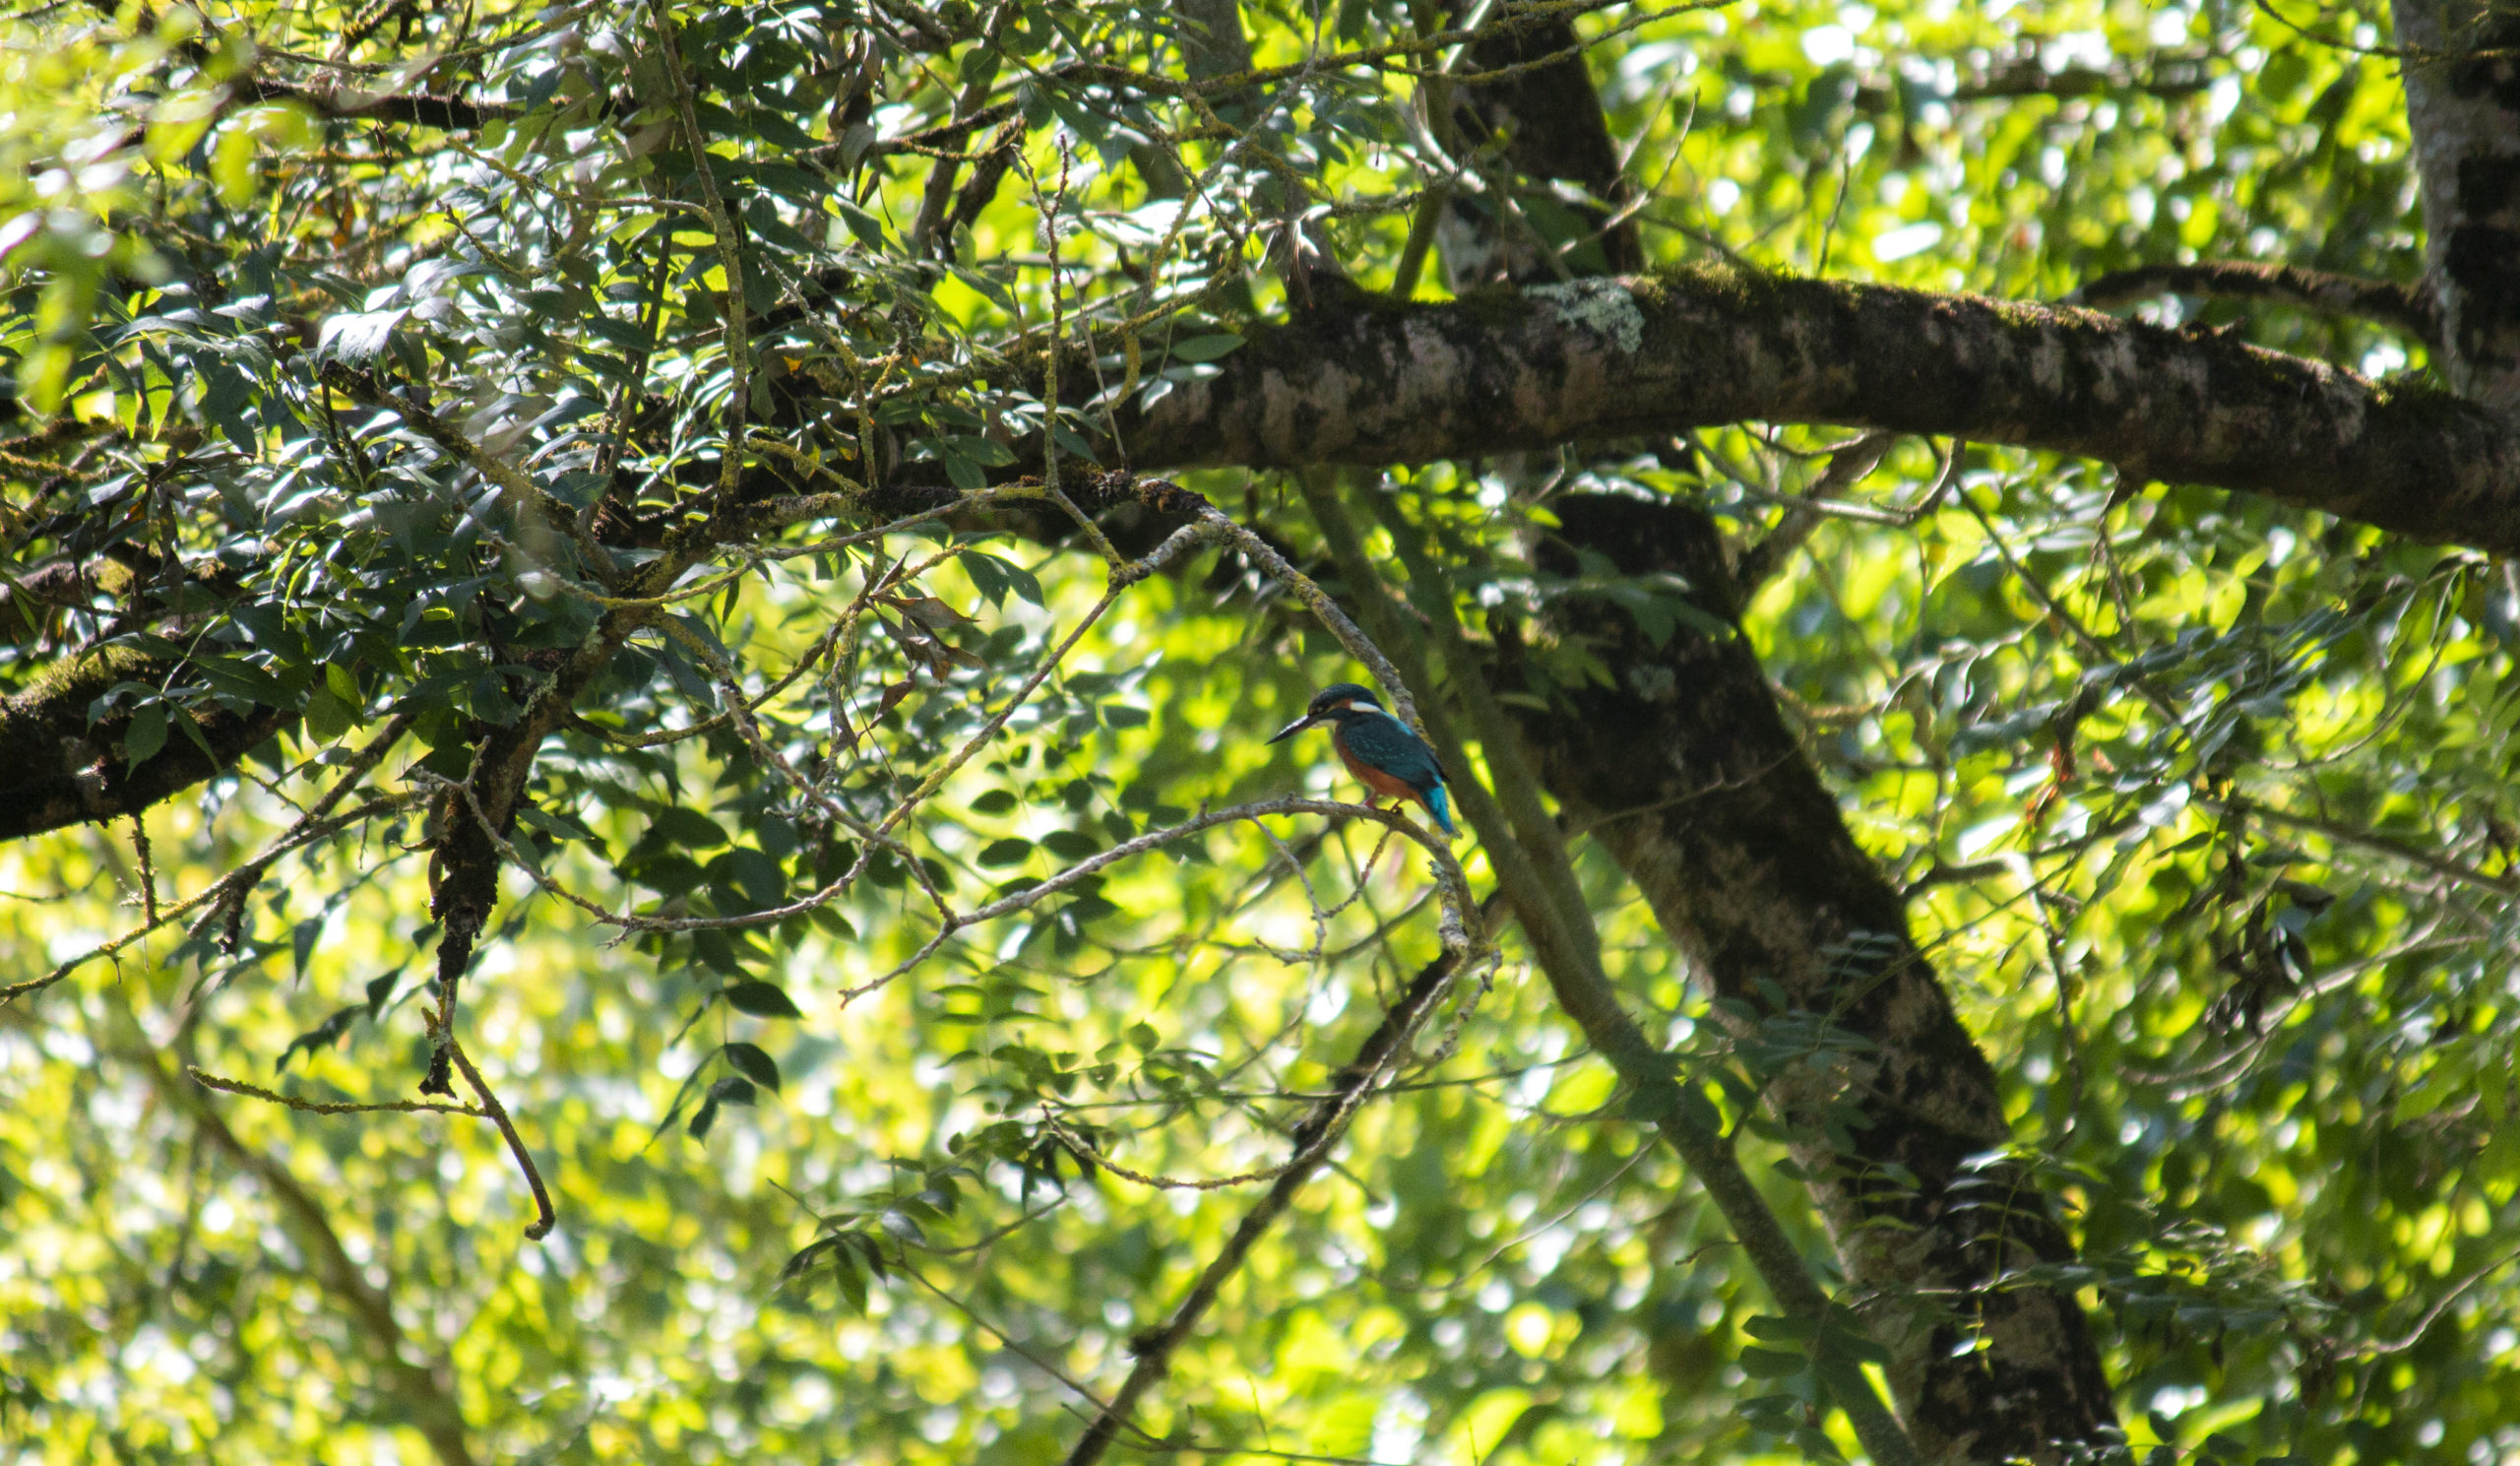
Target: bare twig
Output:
[(1319, 1130), (543, 1218), (2406, 308), (730, 256), (311, 1107), (1847, 469), (1150, 840), (224, 891), (2508, 883)]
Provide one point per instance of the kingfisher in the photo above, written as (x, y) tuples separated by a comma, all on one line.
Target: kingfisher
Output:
[(1378, 748)]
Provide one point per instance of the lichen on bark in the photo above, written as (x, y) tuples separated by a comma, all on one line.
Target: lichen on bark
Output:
[(1497, 372), (66, 769)]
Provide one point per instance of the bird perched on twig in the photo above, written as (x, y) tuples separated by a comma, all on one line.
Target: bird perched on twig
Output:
[(1378, 748)]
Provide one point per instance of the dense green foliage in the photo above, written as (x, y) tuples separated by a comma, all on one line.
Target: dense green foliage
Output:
[(2206, 803)]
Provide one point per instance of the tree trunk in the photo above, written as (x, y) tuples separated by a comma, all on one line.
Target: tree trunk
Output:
[(1687, 775), (2463, 109)]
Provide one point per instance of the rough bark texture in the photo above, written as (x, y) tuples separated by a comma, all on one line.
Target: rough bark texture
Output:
[(63, 770), (1639, 357), (1686, 774), (2463, 107)]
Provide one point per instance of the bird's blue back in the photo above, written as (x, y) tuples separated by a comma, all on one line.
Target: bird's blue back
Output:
[(1378, 738)]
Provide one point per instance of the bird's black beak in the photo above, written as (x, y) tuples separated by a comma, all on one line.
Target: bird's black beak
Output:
[(1296, 726)]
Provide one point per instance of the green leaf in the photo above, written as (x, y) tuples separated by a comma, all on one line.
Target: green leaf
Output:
[(966, 474), (1848, 1344), (625, 335), (361, 340), (996, 292), (559, 824), (761, 999), (1204, 348), (327, 718), (850, 1272), (668, 872), (1071, 845), (243, 681), (1767, 1363), (689, 829), (146, 735), (186, 724), (756, 878), (867, 227), (987, 452), (753, 1064), (988, 576), (1007, 851), (995, 802), (1025, 584)]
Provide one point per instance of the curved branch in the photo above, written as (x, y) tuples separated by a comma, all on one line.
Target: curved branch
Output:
[(2401, 307), (1567, 950), (543, 1217), (1644, 356)]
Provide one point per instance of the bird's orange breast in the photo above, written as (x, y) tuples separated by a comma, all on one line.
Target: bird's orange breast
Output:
[(1375, 779)]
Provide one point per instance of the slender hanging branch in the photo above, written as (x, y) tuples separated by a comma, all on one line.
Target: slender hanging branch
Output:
[(1679, 1113)]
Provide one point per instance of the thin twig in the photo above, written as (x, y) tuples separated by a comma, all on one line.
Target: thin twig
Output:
[(730, 257), (543, 1219), (1150, 840), (230, 886), (1315, 1135), (148, 868), (208, 1080)]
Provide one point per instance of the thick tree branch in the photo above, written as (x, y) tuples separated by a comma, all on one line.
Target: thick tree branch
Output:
[(2401, 307), (1605, 360), (64, 770)]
